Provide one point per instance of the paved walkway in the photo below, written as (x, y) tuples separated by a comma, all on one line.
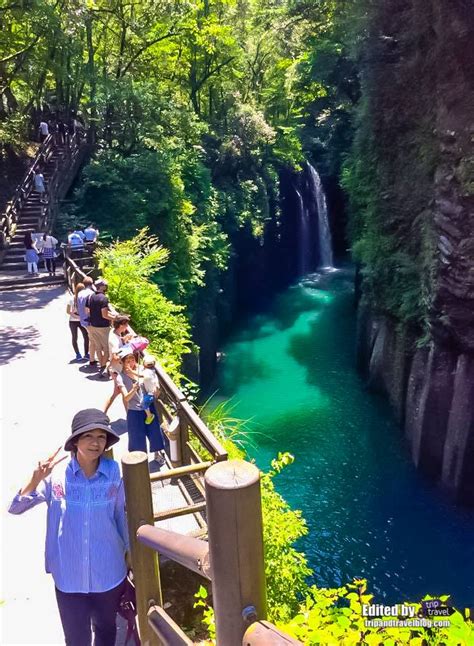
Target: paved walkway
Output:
[(40, 392)]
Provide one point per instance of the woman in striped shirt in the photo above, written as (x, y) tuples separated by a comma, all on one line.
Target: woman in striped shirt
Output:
[(86, 534)]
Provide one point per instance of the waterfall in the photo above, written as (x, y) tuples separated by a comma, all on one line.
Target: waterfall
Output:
[(304, 250), (324, 232)]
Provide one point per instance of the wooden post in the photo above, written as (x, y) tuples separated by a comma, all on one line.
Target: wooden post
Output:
[(234, 516), (262, 633), (174, 436), (183, 437), (145, 564)]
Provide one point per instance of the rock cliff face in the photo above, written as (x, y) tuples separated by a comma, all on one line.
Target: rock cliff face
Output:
[(430, 380), (431, 390)]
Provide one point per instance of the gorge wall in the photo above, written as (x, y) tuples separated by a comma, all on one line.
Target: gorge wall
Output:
[(411, 180), (261, 266)]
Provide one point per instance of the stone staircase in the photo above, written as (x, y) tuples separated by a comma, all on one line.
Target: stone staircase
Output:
[(31, 215)]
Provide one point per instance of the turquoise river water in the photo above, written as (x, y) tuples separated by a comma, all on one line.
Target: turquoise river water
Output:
[(291, 372)]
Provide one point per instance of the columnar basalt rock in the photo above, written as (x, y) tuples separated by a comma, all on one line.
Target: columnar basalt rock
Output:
[(457, 472), (452, 314), (429, 42)]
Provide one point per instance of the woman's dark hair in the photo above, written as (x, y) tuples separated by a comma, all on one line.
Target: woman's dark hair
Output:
[(28, 240), (120, 320), (45, 236)]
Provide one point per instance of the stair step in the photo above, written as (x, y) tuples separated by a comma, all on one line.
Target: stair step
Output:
[(13, 265), (30, 219), (30, 282), (14, 254)]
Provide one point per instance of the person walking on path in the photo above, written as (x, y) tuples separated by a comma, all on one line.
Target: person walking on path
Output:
[(75, 324), (81, 300), (75, 241), (100, 315), (138, 431), (40, 187), (86, 529), (31, 254), (118, 336), (48, 248), (43, 130), (61, 133), (91, 233)]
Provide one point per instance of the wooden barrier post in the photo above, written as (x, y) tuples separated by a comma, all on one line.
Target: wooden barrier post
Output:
[(183, 437), (262, 633), (234, 515), (146, 573)]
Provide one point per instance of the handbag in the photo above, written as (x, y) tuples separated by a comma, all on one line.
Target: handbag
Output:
[(128, 610), (138, 344)]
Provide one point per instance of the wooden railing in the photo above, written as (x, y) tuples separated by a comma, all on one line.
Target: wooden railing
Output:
[(78, 268), (232, 558), (9, 218), (60, 179), (67, 158), (192, 446), (229, 513)]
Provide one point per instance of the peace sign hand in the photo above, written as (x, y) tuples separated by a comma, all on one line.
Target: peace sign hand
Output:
[(43, 470), (45, 467)]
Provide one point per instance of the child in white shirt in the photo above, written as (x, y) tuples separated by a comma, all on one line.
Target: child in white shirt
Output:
[(150, 386)]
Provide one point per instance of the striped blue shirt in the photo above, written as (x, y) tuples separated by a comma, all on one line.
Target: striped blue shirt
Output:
[(86, 529)]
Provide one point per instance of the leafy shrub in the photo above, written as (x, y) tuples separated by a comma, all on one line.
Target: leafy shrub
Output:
[(129, 267), (334, 616)]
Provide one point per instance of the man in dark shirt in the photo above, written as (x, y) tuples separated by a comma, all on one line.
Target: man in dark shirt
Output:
[(100, 315)]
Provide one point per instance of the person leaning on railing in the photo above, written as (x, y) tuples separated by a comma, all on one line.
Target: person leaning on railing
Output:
[(131, 385), (86, 529), (119, 335), (100, 314)]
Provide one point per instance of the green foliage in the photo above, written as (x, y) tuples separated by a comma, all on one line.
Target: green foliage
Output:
[(170, 192), (388, 174), (128, 267), (234, 433), (334, 616), (208, 619), (286, 568), (13, 132)]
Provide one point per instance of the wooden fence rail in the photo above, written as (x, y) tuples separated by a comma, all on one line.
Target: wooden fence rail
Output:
[(233, 557), (65, 161), (232, 560)]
